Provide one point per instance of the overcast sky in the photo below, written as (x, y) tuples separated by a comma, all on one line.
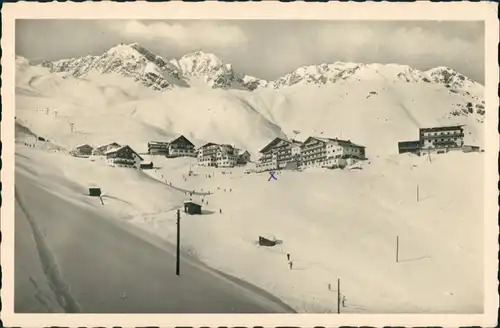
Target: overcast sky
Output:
[(267, 49)]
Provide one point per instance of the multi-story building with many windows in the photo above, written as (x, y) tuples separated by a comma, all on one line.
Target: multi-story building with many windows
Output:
[(328, 152), (226, 156), (217, 155), (440, 139), (279, 154), (443, 137), (207, 154)]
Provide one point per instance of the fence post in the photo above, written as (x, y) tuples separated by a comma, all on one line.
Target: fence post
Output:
[(177, 266), (397, 249), (338, 296)]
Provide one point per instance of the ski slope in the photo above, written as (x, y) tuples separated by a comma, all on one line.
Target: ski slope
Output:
[(94, 260), (340, 224), (344, 224)]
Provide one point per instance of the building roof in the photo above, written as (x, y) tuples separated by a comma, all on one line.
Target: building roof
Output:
[(336, 140), (123, 147), (272, 144), (242, 151), (208, 144), (160, 143), (442, 128), (192, 202), (180, 138), (109, 144), (84, 145)]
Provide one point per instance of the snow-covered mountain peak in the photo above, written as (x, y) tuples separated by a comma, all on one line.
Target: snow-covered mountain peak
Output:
[(452, 78), (130, 60), (339, 71), (134, 60), (200, 63)]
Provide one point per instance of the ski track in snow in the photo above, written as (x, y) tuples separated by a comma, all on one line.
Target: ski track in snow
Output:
[(60, 288)]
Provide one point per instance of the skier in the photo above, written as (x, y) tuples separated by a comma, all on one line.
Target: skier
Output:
[(291, 264), (288, 256), (343, 301), (220, 210)]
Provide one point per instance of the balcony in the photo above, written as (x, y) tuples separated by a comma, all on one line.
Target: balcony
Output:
[(442, 136)]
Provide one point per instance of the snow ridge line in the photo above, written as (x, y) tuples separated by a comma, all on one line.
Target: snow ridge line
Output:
[(59, 287)]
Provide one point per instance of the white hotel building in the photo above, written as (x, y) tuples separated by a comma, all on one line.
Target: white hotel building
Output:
[(329, 153), (314, 152), (216, 155)]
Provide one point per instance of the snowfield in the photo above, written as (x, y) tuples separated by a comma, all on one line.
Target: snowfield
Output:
[(335, 224), (94, 260)]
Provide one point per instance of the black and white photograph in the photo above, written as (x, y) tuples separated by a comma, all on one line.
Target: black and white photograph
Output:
[(163, 164)]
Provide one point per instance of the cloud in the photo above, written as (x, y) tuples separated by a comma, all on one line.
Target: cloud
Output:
[(192, 35), (412, 45)]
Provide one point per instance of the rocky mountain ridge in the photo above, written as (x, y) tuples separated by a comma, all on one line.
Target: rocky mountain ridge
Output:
[(134, 60)]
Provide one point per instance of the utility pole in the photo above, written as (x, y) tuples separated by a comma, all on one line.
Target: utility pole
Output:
[(418, 198), (397, 249), (177, 269), (338, 296)]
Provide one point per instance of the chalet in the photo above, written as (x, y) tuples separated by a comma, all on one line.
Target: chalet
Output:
[(124, 157), (101, 150), (85, 150), (158, 148), (329, 152), (181, 147), (409, 147), (442, 137), (243, 157)]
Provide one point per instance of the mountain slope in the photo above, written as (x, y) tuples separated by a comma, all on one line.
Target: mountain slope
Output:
[(111, 107), (340, 71), (133, 60), (377, 111), (375, 114), (74, 232)]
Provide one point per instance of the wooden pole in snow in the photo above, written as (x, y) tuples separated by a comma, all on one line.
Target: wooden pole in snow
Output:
[(102, 202), (338, 296), (177, 264), (418, 196), (397, 249)]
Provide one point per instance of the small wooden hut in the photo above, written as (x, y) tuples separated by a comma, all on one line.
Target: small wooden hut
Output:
[(95, 192), (266, 241), (191, 207)]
